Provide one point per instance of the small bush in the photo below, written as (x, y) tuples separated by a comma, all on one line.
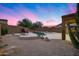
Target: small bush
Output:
[(4, 31)]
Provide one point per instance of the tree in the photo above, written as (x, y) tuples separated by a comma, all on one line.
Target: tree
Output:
[(25, 23), (37, 25)]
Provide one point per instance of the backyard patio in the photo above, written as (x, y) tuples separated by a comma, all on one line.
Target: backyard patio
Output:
[(39, 47)]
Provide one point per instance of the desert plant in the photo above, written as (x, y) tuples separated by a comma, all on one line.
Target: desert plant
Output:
[(73, 37)]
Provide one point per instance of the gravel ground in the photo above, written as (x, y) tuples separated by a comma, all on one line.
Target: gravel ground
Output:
[(40, 47)]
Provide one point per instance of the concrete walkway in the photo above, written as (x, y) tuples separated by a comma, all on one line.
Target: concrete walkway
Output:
[(40, 47)]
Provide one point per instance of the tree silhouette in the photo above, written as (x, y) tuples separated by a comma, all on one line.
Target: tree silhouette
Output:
[(37, 25), (25, 23)]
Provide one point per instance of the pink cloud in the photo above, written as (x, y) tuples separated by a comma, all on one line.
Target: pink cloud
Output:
[(49, 23), (11, 20), (72, 9), (23, 12), (14, 17), (27, 13)]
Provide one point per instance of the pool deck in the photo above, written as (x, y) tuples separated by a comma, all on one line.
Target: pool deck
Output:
[(38, 47)]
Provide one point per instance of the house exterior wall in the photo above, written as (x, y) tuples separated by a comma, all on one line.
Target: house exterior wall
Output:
[(11, 29), (67, 19), (15, 29), (3, 23)]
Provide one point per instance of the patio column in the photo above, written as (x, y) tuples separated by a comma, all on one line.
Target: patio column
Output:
[(63, 29)]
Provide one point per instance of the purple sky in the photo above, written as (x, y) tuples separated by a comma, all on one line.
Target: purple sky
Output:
[(48, 13)]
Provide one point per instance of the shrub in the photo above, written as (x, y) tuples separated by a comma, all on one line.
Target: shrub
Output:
[(4, 31)]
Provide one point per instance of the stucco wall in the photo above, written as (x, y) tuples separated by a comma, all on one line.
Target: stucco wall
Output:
[(15, 29), (67, 19)]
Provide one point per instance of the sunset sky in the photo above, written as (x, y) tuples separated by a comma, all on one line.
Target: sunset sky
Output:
[(48, 13)]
